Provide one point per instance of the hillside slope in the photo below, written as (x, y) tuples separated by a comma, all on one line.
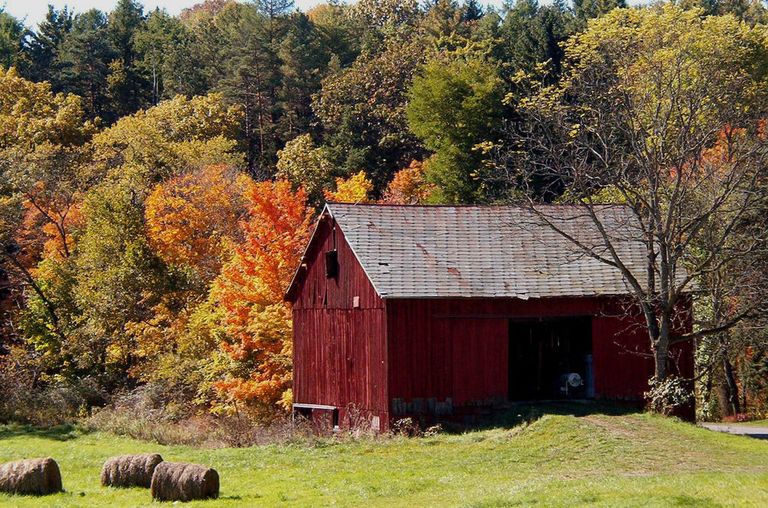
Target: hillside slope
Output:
[(630, 460)]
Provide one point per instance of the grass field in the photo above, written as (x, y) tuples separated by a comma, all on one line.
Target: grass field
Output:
[(754, 423), (558, 460)]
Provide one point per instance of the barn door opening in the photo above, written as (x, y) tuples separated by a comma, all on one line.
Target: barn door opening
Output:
[(545, 354)]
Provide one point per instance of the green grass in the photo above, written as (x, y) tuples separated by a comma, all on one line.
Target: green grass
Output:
[(753, 423), (558, 460)]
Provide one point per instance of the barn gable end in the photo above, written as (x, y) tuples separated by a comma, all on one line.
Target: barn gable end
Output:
[(339, 328)]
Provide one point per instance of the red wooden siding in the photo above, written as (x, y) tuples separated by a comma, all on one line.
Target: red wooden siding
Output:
[(621, 359), (438, 356), (339, 349), (318, 292), (459, 347), (479, 350), (341, 358)]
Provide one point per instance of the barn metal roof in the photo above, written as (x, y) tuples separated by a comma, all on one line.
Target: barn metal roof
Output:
[(488, 251)]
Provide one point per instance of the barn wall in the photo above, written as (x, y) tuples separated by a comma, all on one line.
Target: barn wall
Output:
[(436, 356), (622, 358), (318, 292), (457, 349), (339, 353)]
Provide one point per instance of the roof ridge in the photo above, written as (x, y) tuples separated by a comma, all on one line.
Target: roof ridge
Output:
[(522, 207)]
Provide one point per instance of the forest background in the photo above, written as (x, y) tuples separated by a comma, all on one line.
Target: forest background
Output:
[(160, 175)]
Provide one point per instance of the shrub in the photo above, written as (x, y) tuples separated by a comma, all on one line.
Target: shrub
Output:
[(141, 414), (666, 397), (23, 399)]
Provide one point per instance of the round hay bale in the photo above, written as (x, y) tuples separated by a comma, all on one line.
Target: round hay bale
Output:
[(130, 470), (31, 477), (178, 481)]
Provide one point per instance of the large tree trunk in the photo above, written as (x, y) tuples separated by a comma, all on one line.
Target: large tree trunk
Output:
[(661, 359)]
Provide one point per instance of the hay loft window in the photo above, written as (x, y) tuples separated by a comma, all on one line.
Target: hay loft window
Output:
[(331, 264)]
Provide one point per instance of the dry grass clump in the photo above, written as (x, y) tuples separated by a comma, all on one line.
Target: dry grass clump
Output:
[(179, 481), (130, 470), (201, 431), (32, 477)]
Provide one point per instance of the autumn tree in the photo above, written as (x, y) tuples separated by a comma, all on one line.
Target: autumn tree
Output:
[(409, 186), (117, 278), (173, 136), (645, 94), (250, 292), (306, 165), (41, 179), (355, 189), (194, 219), (193, 223), (737, 276)]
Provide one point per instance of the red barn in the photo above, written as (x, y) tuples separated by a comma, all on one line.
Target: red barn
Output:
[(435, 311)]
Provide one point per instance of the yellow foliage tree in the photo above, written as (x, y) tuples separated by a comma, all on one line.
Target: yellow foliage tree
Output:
[(31, 114), (173, 136), (355, 189)]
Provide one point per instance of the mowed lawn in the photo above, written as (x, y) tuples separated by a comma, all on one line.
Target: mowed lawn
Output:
[(558, 460)]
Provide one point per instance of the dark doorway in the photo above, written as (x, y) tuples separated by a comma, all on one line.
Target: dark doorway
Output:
[(543, 353)]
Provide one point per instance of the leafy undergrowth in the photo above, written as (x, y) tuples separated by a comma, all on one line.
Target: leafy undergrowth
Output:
[(557, 460)]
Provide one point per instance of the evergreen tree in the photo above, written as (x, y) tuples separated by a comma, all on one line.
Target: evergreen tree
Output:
[(11, 36), (533, 34), (85, 57), (42, 53), (128, 88), (302, 60), (252, 75), (338, 33), (153, 42), (751, 11), (183, 67), (442, 19), (471, 11), (588, 9)]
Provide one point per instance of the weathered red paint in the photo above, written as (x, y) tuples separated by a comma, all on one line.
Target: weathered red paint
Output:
[(372, 357), (339, 348)]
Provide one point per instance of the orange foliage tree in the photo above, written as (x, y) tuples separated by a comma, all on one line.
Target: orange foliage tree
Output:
[(193, 218), (48, 225), (355, 189), (250, 292), (408, 186)]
